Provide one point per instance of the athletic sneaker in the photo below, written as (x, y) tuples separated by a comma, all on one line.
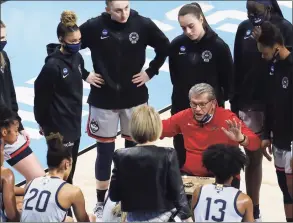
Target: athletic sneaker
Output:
[(258, 219), (98, 211)]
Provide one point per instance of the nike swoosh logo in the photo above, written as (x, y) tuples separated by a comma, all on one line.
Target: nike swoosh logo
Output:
[(104, 37), (64, 76), (248, 37)]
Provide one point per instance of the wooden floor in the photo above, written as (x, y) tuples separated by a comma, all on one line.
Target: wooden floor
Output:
[(271, 201)]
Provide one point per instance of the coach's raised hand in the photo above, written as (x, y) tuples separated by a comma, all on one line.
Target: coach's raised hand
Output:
[(95, 79), (234, 132)]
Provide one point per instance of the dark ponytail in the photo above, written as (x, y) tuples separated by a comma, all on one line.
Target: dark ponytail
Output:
[(56, 150), (194, 9)]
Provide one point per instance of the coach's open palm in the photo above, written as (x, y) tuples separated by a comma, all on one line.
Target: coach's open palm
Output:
[(234, 130)]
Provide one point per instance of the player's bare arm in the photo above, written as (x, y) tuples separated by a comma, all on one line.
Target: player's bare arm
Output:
[(19, 191), (195, 197), (71, 195), (245, 207), (8, 182), (79, 206)]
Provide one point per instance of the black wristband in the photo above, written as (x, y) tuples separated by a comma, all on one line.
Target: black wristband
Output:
[(243, 139)]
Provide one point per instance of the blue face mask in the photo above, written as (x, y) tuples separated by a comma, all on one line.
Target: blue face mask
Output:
[(72, 48), (2, 45)]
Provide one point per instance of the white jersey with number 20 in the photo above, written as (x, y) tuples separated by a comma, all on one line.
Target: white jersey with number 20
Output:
[(40, 203)]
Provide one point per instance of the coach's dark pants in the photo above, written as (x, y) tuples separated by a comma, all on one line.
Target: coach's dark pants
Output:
[(178, 143)]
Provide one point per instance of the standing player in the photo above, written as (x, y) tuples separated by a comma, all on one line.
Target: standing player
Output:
[(279, 111), (250, 73), (197, 56), (220, 202), (48, 198), (118, 39), (59, 87), (8, 134), (18, 155)]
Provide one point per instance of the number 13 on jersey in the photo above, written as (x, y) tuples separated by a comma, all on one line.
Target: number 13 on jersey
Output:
[(217, 207)]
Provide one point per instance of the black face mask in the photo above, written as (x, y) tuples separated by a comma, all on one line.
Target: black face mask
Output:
[(276, 56), (2, 45), (257, 20)]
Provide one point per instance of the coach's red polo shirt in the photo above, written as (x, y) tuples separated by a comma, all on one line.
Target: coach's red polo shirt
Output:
[(197, 138)]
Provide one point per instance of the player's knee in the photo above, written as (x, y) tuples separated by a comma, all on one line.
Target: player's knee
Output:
[(282, 181), (104, 160)]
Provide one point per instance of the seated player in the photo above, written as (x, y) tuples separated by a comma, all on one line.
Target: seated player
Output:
[(220, 202), (8, 134), (48, 198)]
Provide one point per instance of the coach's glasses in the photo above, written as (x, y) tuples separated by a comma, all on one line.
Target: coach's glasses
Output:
[(200, 105)]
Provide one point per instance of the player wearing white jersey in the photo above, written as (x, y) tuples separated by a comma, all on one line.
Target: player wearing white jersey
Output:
[(220, 202), (48, 198), (8, 134)]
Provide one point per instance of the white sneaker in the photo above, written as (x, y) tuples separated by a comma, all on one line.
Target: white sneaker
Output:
[(98, 211)]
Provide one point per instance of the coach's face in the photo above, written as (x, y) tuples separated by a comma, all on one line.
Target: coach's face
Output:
[(202, 105), (119, 10)]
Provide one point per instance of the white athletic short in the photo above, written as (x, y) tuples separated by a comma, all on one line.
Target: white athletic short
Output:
[(103, 123), (253, 120), (17, 151), (282, 160)]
